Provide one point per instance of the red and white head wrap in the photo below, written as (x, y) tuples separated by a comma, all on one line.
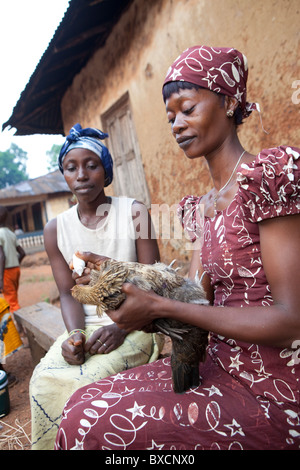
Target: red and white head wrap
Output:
[(219, 69)]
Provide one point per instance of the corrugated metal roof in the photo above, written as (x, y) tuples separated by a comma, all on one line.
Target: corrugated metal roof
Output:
[(84, 29), (51, 183)]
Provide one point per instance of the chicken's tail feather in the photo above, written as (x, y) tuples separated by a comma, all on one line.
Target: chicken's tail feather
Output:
[(184, 377), (164, 327)]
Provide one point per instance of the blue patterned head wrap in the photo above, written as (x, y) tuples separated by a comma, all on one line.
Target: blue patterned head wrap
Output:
[(89, 139)]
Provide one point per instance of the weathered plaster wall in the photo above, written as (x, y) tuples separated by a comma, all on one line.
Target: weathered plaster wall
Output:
[(144, 43), (56, 205)]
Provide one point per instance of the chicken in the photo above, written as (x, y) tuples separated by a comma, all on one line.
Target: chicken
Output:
[(188, 342)]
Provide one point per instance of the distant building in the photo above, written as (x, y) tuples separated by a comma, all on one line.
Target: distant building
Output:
[(33, 202)]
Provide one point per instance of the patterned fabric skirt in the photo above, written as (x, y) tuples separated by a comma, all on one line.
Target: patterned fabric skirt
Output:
[(138, 410), (54, 380), (10, 340)]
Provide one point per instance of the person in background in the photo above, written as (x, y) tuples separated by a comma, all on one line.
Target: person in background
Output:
[(11, 255), (18, 230), (92, 347), (247, 246)]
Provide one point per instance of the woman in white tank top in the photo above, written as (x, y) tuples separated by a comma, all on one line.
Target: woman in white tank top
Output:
[(103, 225)]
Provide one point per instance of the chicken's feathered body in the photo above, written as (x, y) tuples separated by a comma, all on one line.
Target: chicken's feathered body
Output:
[(188, 342)]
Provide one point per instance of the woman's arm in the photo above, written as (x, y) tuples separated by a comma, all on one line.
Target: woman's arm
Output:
[(72, 311), (21, 253), (276, 325), (146, 243)]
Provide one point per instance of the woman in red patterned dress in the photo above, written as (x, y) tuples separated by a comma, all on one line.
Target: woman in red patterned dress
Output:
[(247, 245)]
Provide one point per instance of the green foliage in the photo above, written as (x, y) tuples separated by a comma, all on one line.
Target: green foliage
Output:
[(12, 166), (52, 157)]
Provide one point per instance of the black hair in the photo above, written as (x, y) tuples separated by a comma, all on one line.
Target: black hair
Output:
[(174, 87)]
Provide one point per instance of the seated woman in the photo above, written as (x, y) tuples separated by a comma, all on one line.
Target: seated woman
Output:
[(92, 347), (248, 246)]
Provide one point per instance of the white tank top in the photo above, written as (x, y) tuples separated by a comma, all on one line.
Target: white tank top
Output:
[(114, 238)]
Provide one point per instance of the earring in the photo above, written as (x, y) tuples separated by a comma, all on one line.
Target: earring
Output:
[(229, 113)]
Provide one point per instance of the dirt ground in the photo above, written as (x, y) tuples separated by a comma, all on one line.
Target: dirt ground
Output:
[(37, 285)]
